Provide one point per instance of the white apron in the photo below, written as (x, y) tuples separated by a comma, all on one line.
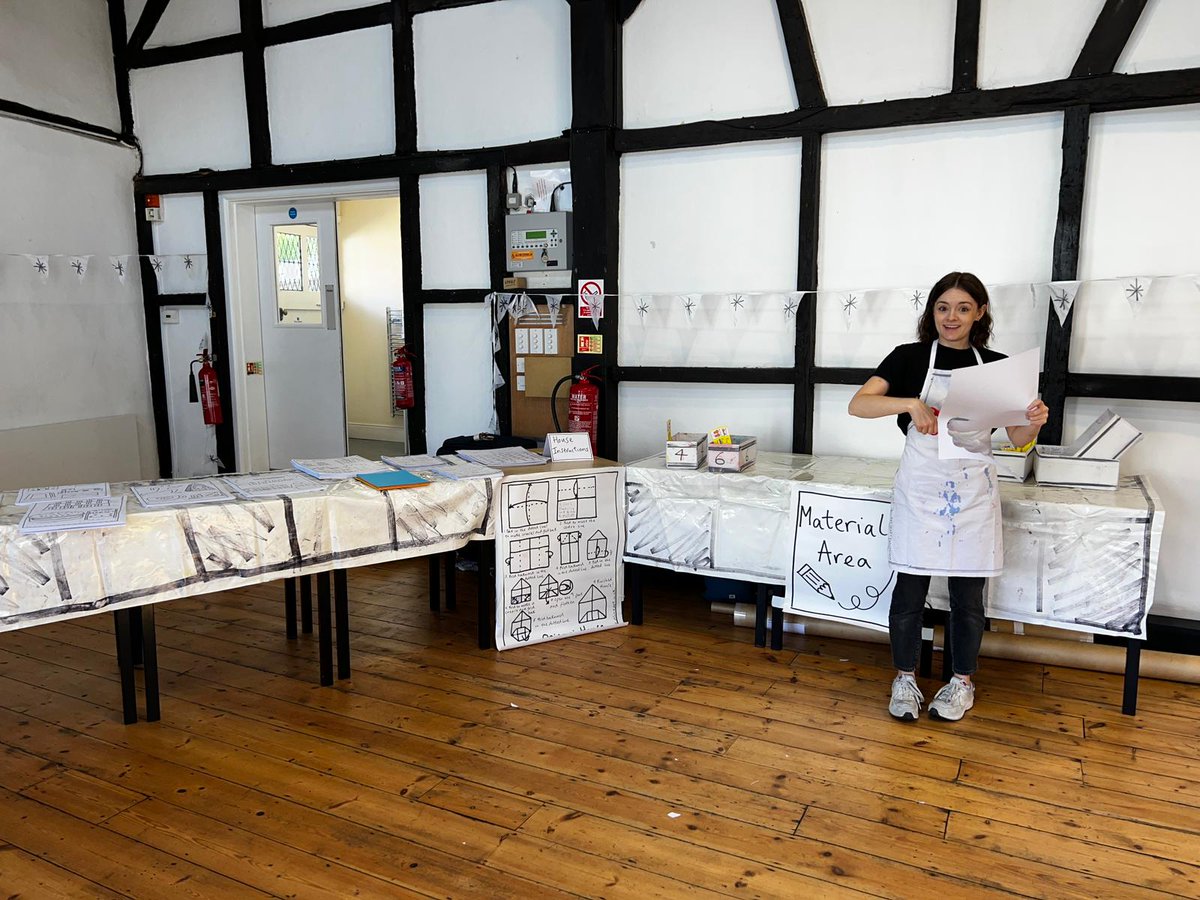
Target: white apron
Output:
[(945, 512)]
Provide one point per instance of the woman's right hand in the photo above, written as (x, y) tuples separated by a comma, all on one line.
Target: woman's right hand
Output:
[(924, 418)]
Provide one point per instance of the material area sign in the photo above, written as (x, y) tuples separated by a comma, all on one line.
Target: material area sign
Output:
[(591, 298)]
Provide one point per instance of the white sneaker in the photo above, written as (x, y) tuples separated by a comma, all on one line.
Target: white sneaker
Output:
[(952, 701), (906, 698)]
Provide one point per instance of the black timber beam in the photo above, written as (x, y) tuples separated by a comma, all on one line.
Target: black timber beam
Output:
[(20, 110), (1134, 387), (966, 46), (1102, 93), (496, 211), (360, 169), (152, 12), (254, 70), (1065, 265), (154, 347), (424, 6), (628, 8), (1108, 37), (805, 76), (177, 53), (414, 313), (803, 390), (116, 30), (596, 185), (338, 22), (404, 78), (218, 326)]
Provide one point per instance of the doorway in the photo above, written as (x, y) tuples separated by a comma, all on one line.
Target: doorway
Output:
[(308, 300)]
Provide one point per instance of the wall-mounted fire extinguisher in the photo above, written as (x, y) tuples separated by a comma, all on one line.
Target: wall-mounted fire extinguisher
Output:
[(403, 396), (583, 405), (208, 395)]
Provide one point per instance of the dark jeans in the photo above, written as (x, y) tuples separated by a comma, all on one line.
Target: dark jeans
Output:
[(963, 632)]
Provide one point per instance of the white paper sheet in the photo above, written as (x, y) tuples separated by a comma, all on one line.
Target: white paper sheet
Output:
[(30, 496), (981, 398), (74, 515), (273, 484), (503, 456), (419, 461), (338, 466), (180, 493)]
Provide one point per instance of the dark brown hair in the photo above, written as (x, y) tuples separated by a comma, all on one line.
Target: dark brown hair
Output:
[(981, 331)]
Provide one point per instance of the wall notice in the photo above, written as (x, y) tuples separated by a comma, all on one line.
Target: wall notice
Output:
[(840, 567), (560, 539)]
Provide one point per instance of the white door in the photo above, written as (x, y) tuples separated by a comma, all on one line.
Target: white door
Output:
[(301, 332)]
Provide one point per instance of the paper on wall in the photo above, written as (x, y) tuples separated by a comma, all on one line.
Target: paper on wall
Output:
[(981, 398)]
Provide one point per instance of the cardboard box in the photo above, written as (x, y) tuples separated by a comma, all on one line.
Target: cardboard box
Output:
[(1106, 438), (1052, 466), (686, 450), (1012, 464), (734, 457)]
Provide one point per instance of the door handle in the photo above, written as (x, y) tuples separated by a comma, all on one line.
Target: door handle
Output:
[(330, 309)]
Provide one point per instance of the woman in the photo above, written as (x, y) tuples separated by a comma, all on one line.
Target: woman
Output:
[(945, 513)]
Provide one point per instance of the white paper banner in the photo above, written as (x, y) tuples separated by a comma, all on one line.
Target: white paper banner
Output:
[(157, 265), (916, 298), (560, 539), (596, 309), (850, 301), (737, 302), (522, 305), (643, 309), (119, 266), (1137, 289), (690, 303), (40, 263), (79, 265), (791, 303), (553, 306), (1062, 297)]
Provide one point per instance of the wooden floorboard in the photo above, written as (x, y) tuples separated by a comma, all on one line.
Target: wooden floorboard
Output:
[(671, 759)]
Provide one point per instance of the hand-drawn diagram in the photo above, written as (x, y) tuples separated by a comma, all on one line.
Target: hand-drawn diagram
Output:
[(520, 593), (568, 547), (529, 554), (597, 547), (522, 626), (577, 498), (593, 606), (528, 504), (550, 587)]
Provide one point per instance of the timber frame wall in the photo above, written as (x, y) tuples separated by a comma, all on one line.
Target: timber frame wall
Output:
[(593, 146)]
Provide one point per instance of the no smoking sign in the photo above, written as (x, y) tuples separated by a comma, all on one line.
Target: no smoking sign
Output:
[(590, 300)]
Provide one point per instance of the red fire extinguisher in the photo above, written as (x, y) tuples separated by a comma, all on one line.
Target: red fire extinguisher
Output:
[(209, 394), (402, 380), (583, 405)]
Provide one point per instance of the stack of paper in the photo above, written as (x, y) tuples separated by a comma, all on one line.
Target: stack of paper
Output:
[(272, 484), (420, 461), (504, 457), (179, 493), (337, 467), (74, 515), (30, 496), (464, 470)]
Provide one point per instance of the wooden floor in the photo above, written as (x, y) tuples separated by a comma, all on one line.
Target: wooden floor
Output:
[(670, 759)]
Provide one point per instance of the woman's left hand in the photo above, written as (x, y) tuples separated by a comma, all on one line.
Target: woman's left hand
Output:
[(1037, 413)]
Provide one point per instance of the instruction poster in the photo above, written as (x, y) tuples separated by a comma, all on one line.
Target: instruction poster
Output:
[(840, 567), (560, 539)]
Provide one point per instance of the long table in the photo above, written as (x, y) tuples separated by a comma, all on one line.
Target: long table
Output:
[(166, 554), (1079, 559)]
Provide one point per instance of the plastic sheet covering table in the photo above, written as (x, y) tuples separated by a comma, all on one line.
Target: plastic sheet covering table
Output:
[(1078, 559), (165, 554)]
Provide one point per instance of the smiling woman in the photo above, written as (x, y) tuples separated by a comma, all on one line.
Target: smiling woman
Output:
[(945, 513)]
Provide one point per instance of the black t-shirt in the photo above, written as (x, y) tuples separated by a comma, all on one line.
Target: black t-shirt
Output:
[(905, 368)]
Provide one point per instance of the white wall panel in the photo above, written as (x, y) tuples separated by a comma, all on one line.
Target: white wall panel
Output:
[(763, 410), (191, 115), (492, 73), (57, 57), (458, 371), (277, 12), (882, 49), (1167, 454), (837, 433), (184, 22), (689, 60), (1028, 41), (332, 97), (182, 232), (1167, 36), (1140, 201), (454, 243), (900, 208)]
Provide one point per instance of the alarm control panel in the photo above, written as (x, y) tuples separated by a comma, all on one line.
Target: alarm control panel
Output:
[(538, 242)]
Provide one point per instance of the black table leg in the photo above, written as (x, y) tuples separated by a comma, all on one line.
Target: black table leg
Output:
[(451, 581), (776, 628), (123, 631), (761, 601), (435, 585), (135, 636), (289, 607), (486, 603), (633, 581), (306, 604), (341, 609), (150, 662), (324, 629), (1133, 664)]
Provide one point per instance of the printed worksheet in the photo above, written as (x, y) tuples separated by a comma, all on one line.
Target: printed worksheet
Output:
[(29, 496), (180, 493), (74, 515)]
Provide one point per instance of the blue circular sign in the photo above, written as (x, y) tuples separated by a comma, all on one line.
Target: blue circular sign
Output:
[(292, 213)]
